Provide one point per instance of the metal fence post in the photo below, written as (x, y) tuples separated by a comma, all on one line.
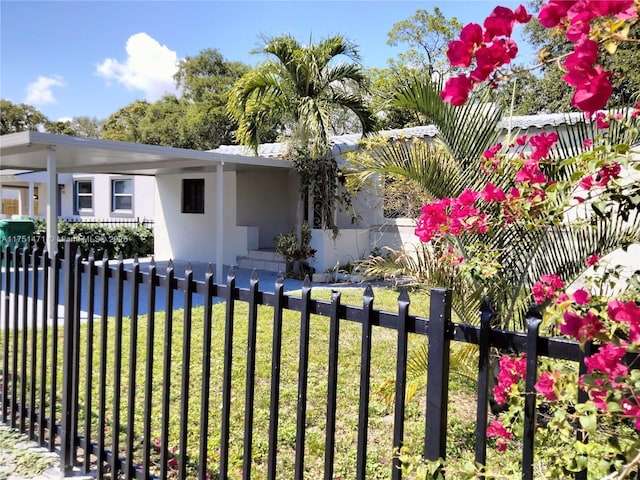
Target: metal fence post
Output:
[(484, 370), (67, 440), (438, 374), (534, 319)]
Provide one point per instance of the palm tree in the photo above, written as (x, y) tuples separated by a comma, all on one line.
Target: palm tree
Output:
[(300, 88), (448, 165), (445, 167)]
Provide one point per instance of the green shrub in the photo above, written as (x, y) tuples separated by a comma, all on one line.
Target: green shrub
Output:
[(127, 241)]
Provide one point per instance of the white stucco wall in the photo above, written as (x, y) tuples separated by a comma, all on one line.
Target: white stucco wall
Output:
[(349, 246), (192, 236), (142, 201), (265, 201)]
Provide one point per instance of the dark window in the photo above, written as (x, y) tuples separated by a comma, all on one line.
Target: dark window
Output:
[(193, 195)]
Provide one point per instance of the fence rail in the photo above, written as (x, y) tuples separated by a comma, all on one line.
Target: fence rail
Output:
[(113, 222), (127, 389)]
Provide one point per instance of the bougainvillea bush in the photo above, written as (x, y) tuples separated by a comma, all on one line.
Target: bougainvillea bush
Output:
[(527, 189)]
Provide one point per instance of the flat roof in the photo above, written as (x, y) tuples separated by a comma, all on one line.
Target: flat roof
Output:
[(28, 151)]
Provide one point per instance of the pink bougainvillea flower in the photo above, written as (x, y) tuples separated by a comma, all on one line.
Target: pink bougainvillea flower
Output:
[(607, 172), (626, 312), (512, 370), (541, 144), (546, 383), (492, 151), (583, 328), (459, 54), (621, 9), (498, 430), (546, 287), (530, 173), (584, 55), (521, 15), (599, 397), (631, 409), (608, 360), (592, 91), (587, 183), (592, 260), (491, 193), (456, 90), (580, 26), (581, 296), (601, 120), (499, 23), (554, 11), (471, 34), (587, 143)]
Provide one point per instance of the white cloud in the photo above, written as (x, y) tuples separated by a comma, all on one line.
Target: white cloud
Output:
[(149, 67), (39, 92)]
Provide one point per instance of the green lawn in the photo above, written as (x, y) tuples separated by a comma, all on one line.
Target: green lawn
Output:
[(381, 415)]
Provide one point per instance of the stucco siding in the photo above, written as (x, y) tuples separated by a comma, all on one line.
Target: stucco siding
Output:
[(192, 236), (264, 200)]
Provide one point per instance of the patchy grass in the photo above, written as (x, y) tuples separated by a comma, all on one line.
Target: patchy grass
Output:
[(19, 458)]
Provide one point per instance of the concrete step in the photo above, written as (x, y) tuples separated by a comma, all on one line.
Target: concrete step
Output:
[(262, 264), (265, 254)]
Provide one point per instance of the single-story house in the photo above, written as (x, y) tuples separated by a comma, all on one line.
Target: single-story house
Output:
[(226, 205)]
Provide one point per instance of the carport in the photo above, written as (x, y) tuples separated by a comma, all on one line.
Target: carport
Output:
[(38, 151)]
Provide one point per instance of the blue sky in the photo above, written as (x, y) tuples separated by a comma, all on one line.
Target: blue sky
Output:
[(73, 58)]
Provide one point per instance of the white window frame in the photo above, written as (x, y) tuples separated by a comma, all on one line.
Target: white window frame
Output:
[(78, 210), (114, 195)]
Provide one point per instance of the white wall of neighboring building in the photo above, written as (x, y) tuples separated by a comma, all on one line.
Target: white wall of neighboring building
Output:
[(143, 195)]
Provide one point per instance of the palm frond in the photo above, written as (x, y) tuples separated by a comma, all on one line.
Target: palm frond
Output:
[(466, 131)]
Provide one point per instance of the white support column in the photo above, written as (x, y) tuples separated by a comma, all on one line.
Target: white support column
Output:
[(52, 222), (31, 200), (219, 222), (52, 200)]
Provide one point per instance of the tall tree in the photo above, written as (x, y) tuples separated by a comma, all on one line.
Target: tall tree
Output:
[(197, 119), (206, 80), (298, 88), (19, 117), (123, 125), (85, 127), (427, 35)]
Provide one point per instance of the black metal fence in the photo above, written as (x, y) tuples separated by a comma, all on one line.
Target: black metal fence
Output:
[(70, 382), (113, 222)]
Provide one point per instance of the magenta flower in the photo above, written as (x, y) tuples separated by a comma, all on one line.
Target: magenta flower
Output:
[(546, 383), (512, 370), (546, 287), (631, 409), (592, 260), (581, 296), (582, 328), (499, 23), (456, 90), (498, 430), (491, 193), (627, 312), (608, 360)]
